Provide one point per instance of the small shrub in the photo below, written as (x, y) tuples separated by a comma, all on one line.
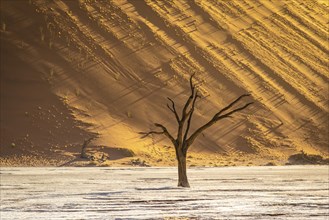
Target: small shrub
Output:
[(304, 158), (139, 162), (270, 164)]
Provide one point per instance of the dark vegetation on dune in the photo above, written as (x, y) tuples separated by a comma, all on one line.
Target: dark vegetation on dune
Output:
[(304, 159)]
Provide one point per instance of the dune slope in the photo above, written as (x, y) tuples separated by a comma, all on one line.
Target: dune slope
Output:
[(112, 64)]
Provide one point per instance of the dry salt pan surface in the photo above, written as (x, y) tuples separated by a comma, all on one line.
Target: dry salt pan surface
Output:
[(291, 192)]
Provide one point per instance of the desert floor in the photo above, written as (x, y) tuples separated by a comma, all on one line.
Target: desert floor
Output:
[(287, 192)]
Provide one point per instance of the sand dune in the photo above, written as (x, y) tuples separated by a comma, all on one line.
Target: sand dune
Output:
[(107, 67)]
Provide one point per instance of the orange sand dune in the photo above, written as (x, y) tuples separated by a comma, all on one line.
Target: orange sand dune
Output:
[(71, 69)]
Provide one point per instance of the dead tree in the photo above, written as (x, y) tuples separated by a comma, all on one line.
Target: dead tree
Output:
[(183, 140), (84, 147)]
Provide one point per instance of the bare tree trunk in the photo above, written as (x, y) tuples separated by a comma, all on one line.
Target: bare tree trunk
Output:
[(183, 141), (83, 152), (182, 176), (84, 148)]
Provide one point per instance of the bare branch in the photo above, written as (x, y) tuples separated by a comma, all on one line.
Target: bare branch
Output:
[(228, 115), (191, 82), (87, 141), (84, 147), (190, 114), (231, 105), (188, 102), (164, 131), (173, 109), (185, 114), (215, 119)]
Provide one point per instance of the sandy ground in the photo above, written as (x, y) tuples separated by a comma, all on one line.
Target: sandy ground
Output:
[(294, 192), (75, 69)]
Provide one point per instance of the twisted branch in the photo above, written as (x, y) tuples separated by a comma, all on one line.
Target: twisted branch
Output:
[(216, 118), (164, 131), (182, 141), (173, 109)]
